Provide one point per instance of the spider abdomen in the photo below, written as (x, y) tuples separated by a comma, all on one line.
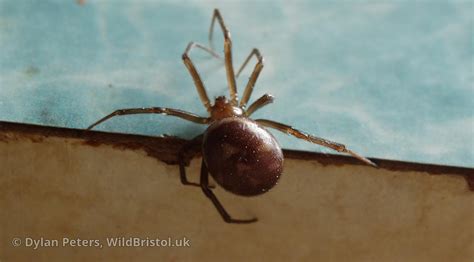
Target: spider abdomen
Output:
[(241, 156)]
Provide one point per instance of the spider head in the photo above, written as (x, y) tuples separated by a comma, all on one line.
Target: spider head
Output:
[(223, 108), (221, 101)]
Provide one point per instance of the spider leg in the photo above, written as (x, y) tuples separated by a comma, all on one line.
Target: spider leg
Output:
[(208, 192), (255, 52), (213, 53), (227, 54), (210, 51), (253, 77), (190, 149), (313, 139), (259, 103), (195, 75), (154, 110)]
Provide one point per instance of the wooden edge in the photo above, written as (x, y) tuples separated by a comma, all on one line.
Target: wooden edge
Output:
[(166, 148)]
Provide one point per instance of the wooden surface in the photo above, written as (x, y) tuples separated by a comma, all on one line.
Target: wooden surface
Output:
[(63, 184)]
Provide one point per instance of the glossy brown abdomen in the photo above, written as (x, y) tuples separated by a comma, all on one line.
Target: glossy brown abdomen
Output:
[(241, 156)]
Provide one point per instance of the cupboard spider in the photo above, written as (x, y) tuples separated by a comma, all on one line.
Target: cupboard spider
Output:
[(238, 152)]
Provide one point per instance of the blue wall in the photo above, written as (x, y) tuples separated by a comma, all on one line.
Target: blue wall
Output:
[(388, 79)]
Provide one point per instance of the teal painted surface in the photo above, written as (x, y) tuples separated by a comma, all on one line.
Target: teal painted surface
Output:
[(388, 79)]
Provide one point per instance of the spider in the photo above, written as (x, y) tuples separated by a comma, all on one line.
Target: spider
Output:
[(238, 152)]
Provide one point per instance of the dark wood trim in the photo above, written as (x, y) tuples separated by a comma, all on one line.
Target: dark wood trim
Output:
[(166, 148)]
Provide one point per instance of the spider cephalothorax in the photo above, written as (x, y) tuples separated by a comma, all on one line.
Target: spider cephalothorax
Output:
[(223, 108), (241, 155)]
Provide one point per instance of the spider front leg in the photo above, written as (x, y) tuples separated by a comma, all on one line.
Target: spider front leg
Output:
[(196, 78), (208, 192), (210, 51), (253, 77), (228, 59), (227, 54), (154, 110), (313, 139)]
